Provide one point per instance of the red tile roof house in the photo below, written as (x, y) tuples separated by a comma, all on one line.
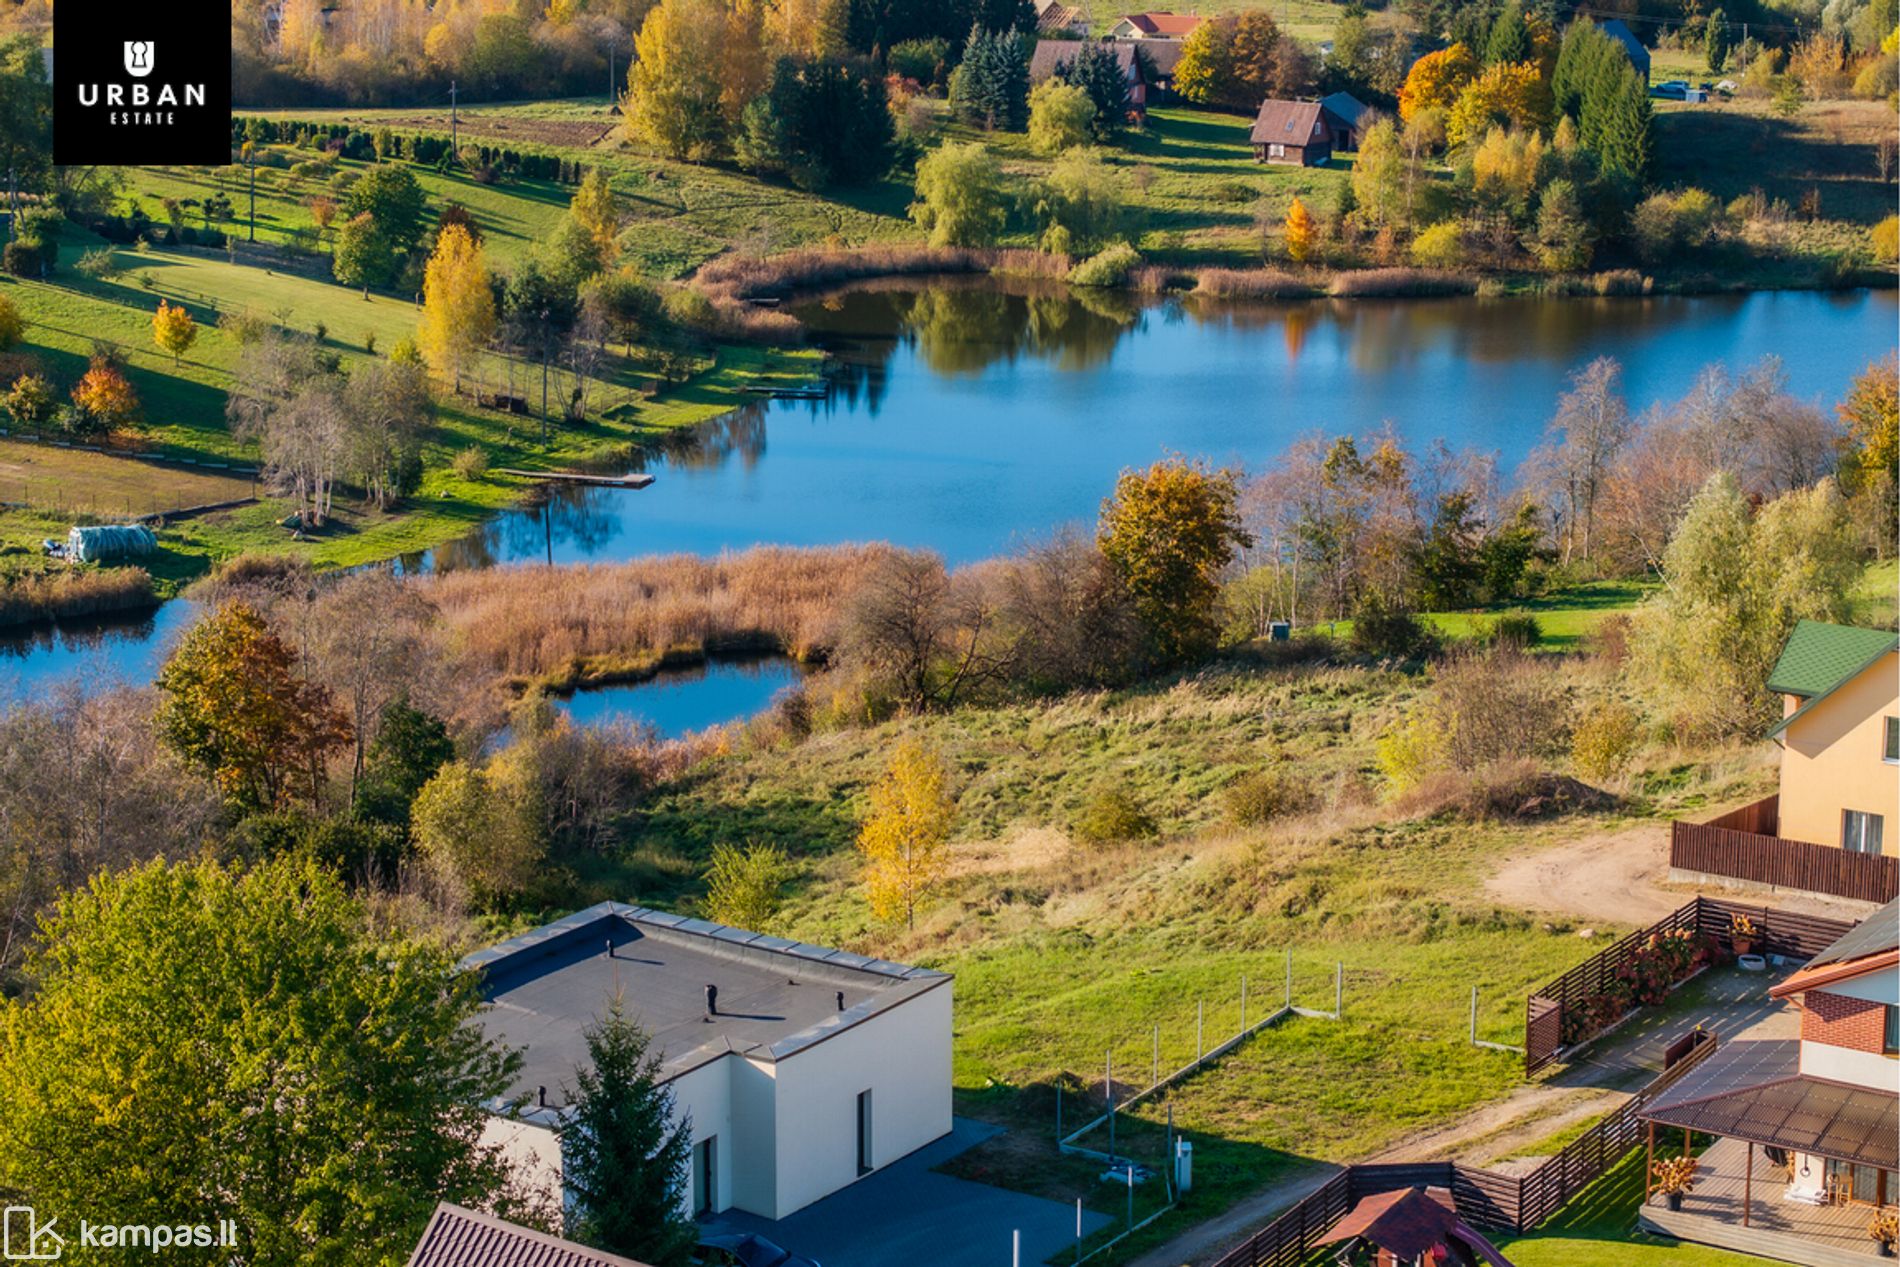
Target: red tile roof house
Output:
[(1052, 55), (1155, 26), (1808, 1131), (1294, 132)]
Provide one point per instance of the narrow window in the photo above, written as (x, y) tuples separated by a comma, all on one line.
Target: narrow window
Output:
[(1890, 1041), (1861, 831), (705, 1175), (864, 1132), (1892, 752)]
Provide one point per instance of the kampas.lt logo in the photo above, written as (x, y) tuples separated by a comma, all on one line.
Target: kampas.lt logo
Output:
[(138, 58), (24, 1239)]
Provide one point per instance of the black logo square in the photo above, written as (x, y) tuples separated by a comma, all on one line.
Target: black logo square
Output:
[(141, 85)]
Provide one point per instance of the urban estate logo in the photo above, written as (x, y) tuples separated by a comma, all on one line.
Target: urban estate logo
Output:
[(157, 94)]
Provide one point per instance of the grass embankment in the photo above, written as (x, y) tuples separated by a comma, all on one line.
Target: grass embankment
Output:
[(184, 414), (1066, 955)]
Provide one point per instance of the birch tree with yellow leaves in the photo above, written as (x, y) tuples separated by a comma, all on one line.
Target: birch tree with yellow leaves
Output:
[(458, 305), (905, 837)]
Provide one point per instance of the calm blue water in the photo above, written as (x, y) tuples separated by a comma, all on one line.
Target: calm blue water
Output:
[(680, 701), (967, 419)]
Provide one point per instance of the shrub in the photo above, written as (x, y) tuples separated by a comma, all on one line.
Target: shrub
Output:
[(1385, 629), (1060, 117), (1110, 267), (1886, 240), (471, 463), (1112, 817), (31, 401), (1442, 245), (21, 259), (1500, 705), (99, 263), (1267, 794), (1605, 740), (1411, 749), (1518, 631)]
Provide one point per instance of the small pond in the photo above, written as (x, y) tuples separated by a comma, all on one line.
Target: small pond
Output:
[(677, 702)]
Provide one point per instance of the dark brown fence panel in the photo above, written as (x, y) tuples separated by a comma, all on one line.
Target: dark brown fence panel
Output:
[(1543, 1032), (1287, 1240), (1763, 818), (1778, 932), (1547, 1008), (1713, 849)]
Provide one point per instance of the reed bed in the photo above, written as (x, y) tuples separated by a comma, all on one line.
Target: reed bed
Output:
[(568, 624), (69, 595), (1383, 283), (742, 277), (1254, 283)]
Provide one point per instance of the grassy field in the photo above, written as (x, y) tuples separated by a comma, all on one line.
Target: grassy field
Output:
[(184, 405), (1069, 956)]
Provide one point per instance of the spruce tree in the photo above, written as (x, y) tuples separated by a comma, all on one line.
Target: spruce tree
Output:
[(1716, 43), (1510, 40), (1096, 71), (624, 1159)]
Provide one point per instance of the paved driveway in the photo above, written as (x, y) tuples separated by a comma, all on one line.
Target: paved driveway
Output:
[(908, 1214)]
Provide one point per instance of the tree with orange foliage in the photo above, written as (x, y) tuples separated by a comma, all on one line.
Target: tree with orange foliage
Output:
[(1302, 233), (232, 704), (173, 330), (1436, 80), (105, 396)]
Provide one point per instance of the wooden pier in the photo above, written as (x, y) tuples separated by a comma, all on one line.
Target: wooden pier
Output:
[(638, 479)]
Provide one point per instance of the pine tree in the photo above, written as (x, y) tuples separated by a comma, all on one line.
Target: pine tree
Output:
[(1096, 71), (624, 1157)]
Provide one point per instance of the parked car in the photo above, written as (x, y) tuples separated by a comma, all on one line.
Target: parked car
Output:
[(1674, 90), (746, 1249)]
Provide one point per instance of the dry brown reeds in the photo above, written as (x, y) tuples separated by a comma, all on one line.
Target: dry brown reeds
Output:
[(1254, 283), (566, 625), (67, 595), (1394, 283)]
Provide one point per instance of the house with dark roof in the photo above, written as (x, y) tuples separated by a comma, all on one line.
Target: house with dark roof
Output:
[(1834, 825), (1348, 117), (1619, 30), (1155, 26), (1054, 18), (800, 1069), (1808, 1129), (457, 1237), (1051, 56), (1294, 132)]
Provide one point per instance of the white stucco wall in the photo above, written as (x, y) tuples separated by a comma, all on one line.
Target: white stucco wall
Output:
[(532, 1152), (705, 1094), (1861, 1068), (1878, 987), (902, 1057)]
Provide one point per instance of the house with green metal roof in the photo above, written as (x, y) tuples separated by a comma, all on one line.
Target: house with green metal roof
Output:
[(1840, 737), (1834, 826)]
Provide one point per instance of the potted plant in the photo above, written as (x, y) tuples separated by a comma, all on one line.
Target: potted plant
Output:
[(1674, 1176), (1742, 933), (1884, 1228)]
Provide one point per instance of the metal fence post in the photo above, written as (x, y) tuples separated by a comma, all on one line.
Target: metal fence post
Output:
[(1200, 1014), (1154, 1071), (1289, 979), (1474, 1015), (1243, 1002), (1339, 990)]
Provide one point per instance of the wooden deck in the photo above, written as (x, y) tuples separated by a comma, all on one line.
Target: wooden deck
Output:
[(1786, 1231)]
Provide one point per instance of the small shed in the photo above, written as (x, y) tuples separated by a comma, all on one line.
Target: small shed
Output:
[(1294, 132), (1412, 1227), (1619, 30), (1348, 117)]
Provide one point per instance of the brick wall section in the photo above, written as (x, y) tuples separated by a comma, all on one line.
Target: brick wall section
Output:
[(1840, 1021)]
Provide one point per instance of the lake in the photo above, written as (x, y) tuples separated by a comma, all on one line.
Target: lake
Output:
[(677, 702), (968, 416)]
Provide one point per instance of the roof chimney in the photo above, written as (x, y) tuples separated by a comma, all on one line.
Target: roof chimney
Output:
[(841, 1000), (541, 1093), (712, 1000)]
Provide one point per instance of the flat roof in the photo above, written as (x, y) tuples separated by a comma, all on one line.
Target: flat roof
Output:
[(546, 988)]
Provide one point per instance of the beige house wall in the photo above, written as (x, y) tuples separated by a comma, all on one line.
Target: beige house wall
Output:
[(1833, 759)]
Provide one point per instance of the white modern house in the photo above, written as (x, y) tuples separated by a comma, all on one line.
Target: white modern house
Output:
[(801, 1069)]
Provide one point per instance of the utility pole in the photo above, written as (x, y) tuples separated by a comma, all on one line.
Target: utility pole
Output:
[(250, 155), (12, 202), (455, 142)]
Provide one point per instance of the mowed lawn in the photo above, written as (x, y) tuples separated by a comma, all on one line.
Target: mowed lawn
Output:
[(102, 484), (183, 405), (1598, 1227)]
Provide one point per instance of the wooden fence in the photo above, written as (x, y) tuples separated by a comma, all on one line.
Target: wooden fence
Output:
[(1779, 932), (1485, 1198), (1742, 845)]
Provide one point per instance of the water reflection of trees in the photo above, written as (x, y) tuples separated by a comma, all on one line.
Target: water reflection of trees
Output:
[(569, 518), (712, 444), (966, 325)]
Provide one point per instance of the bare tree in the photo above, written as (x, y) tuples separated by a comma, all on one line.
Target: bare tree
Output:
[(929, 634), (1590, 427), (386, 407), (372, 646)]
